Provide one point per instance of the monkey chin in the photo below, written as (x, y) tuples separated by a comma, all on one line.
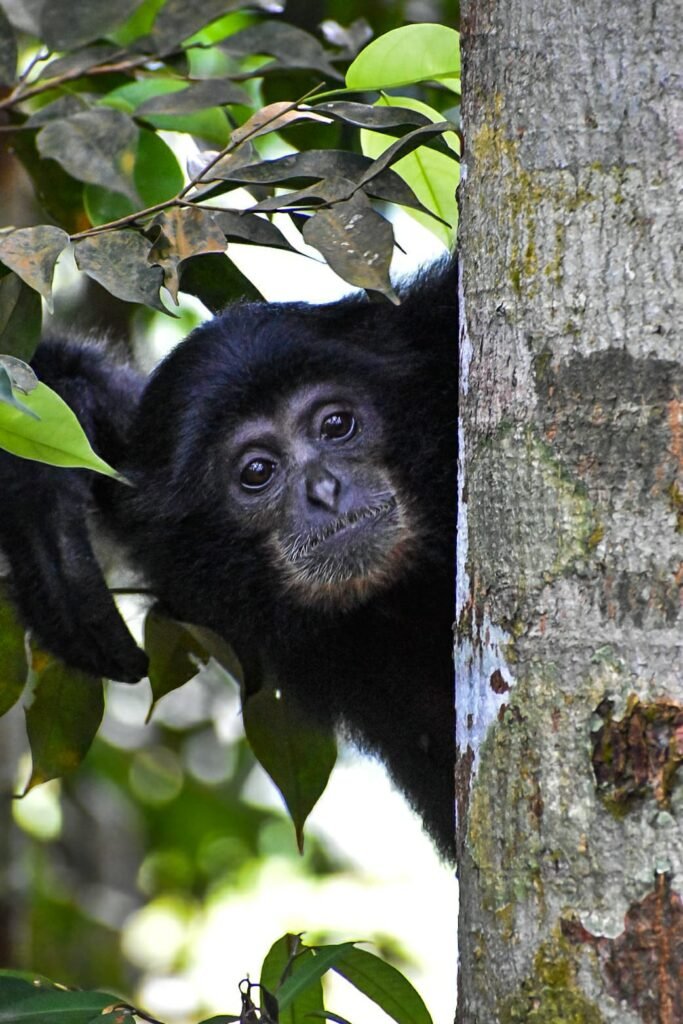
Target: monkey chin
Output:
[(345, 564)]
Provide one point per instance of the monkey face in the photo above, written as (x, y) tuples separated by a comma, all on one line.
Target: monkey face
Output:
[(308, 478)]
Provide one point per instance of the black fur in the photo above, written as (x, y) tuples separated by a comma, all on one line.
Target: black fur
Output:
[(382, 671)]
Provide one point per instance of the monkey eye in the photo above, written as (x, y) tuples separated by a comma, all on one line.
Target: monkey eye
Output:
[(257, 474), (338, 426)]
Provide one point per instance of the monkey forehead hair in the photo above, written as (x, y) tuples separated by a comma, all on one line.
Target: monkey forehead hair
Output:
[(251, 357)]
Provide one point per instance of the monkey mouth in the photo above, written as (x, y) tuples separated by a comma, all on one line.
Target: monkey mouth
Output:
[(356, 519), (343, 564)]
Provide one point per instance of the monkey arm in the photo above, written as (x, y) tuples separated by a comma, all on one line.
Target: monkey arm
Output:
[(56, 580)]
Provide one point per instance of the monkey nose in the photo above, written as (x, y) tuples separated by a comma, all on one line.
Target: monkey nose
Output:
[(322, 488)]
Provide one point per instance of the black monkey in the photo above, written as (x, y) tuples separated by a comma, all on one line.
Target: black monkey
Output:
[(293, 489)]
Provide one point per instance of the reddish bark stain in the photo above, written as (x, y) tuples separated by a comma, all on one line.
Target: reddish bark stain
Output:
[(644, 965), (463, 773), (536, 805), (498, 684), (638, 754), (674, 416)]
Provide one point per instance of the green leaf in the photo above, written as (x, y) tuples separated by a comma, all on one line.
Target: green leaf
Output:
[(21, 375), (406, 144), (377, 117), (55, 1006), (313, 968), (62, 719), (279, 957), (78, 62), (209, 123), (433, 176), (8, 50), (197, 96), (59, 194), (334, 1017), (249, 228), (223, 1018), (174, 653), (57, 438), (430, 115), (138, 24), (178, 20), (310, 165), (313, 166), (20, 317), (215, 280), (65, 25), (97, 146), (64, 106), (32, 254), (13, 661), (413, 53), (291, 46), (13, 990), (117, 1016), (7, 395), (297, 754), (382, 983), (179, 234), (32, 978), (287, 954), (218, 648), (362, 257), (118, 261), (156, 174), (129, 97)]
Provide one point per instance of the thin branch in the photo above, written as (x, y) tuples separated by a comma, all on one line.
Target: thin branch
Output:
[(18, 95), (232, 146), (123, 222), (191, 204), (179, 199), (42, 54)]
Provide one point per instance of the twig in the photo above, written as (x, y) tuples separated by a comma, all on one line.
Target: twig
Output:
[(179, 199), (42, 54), (191, 204), (18, 95), (122, 222), (231, 146)]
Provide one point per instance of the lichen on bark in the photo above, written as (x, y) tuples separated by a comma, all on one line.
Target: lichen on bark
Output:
[(551, 993)]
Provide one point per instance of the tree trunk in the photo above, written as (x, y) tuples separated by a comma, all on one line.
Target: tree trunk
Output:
[(569, 649), (12, 845)]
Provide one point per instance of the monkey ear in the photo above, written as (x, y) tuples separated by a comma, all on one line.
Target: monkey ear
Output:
[(56, 581)]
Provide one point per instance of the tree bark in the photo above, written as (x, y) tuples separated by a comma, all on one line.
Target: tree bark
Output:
[(569, 646)]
